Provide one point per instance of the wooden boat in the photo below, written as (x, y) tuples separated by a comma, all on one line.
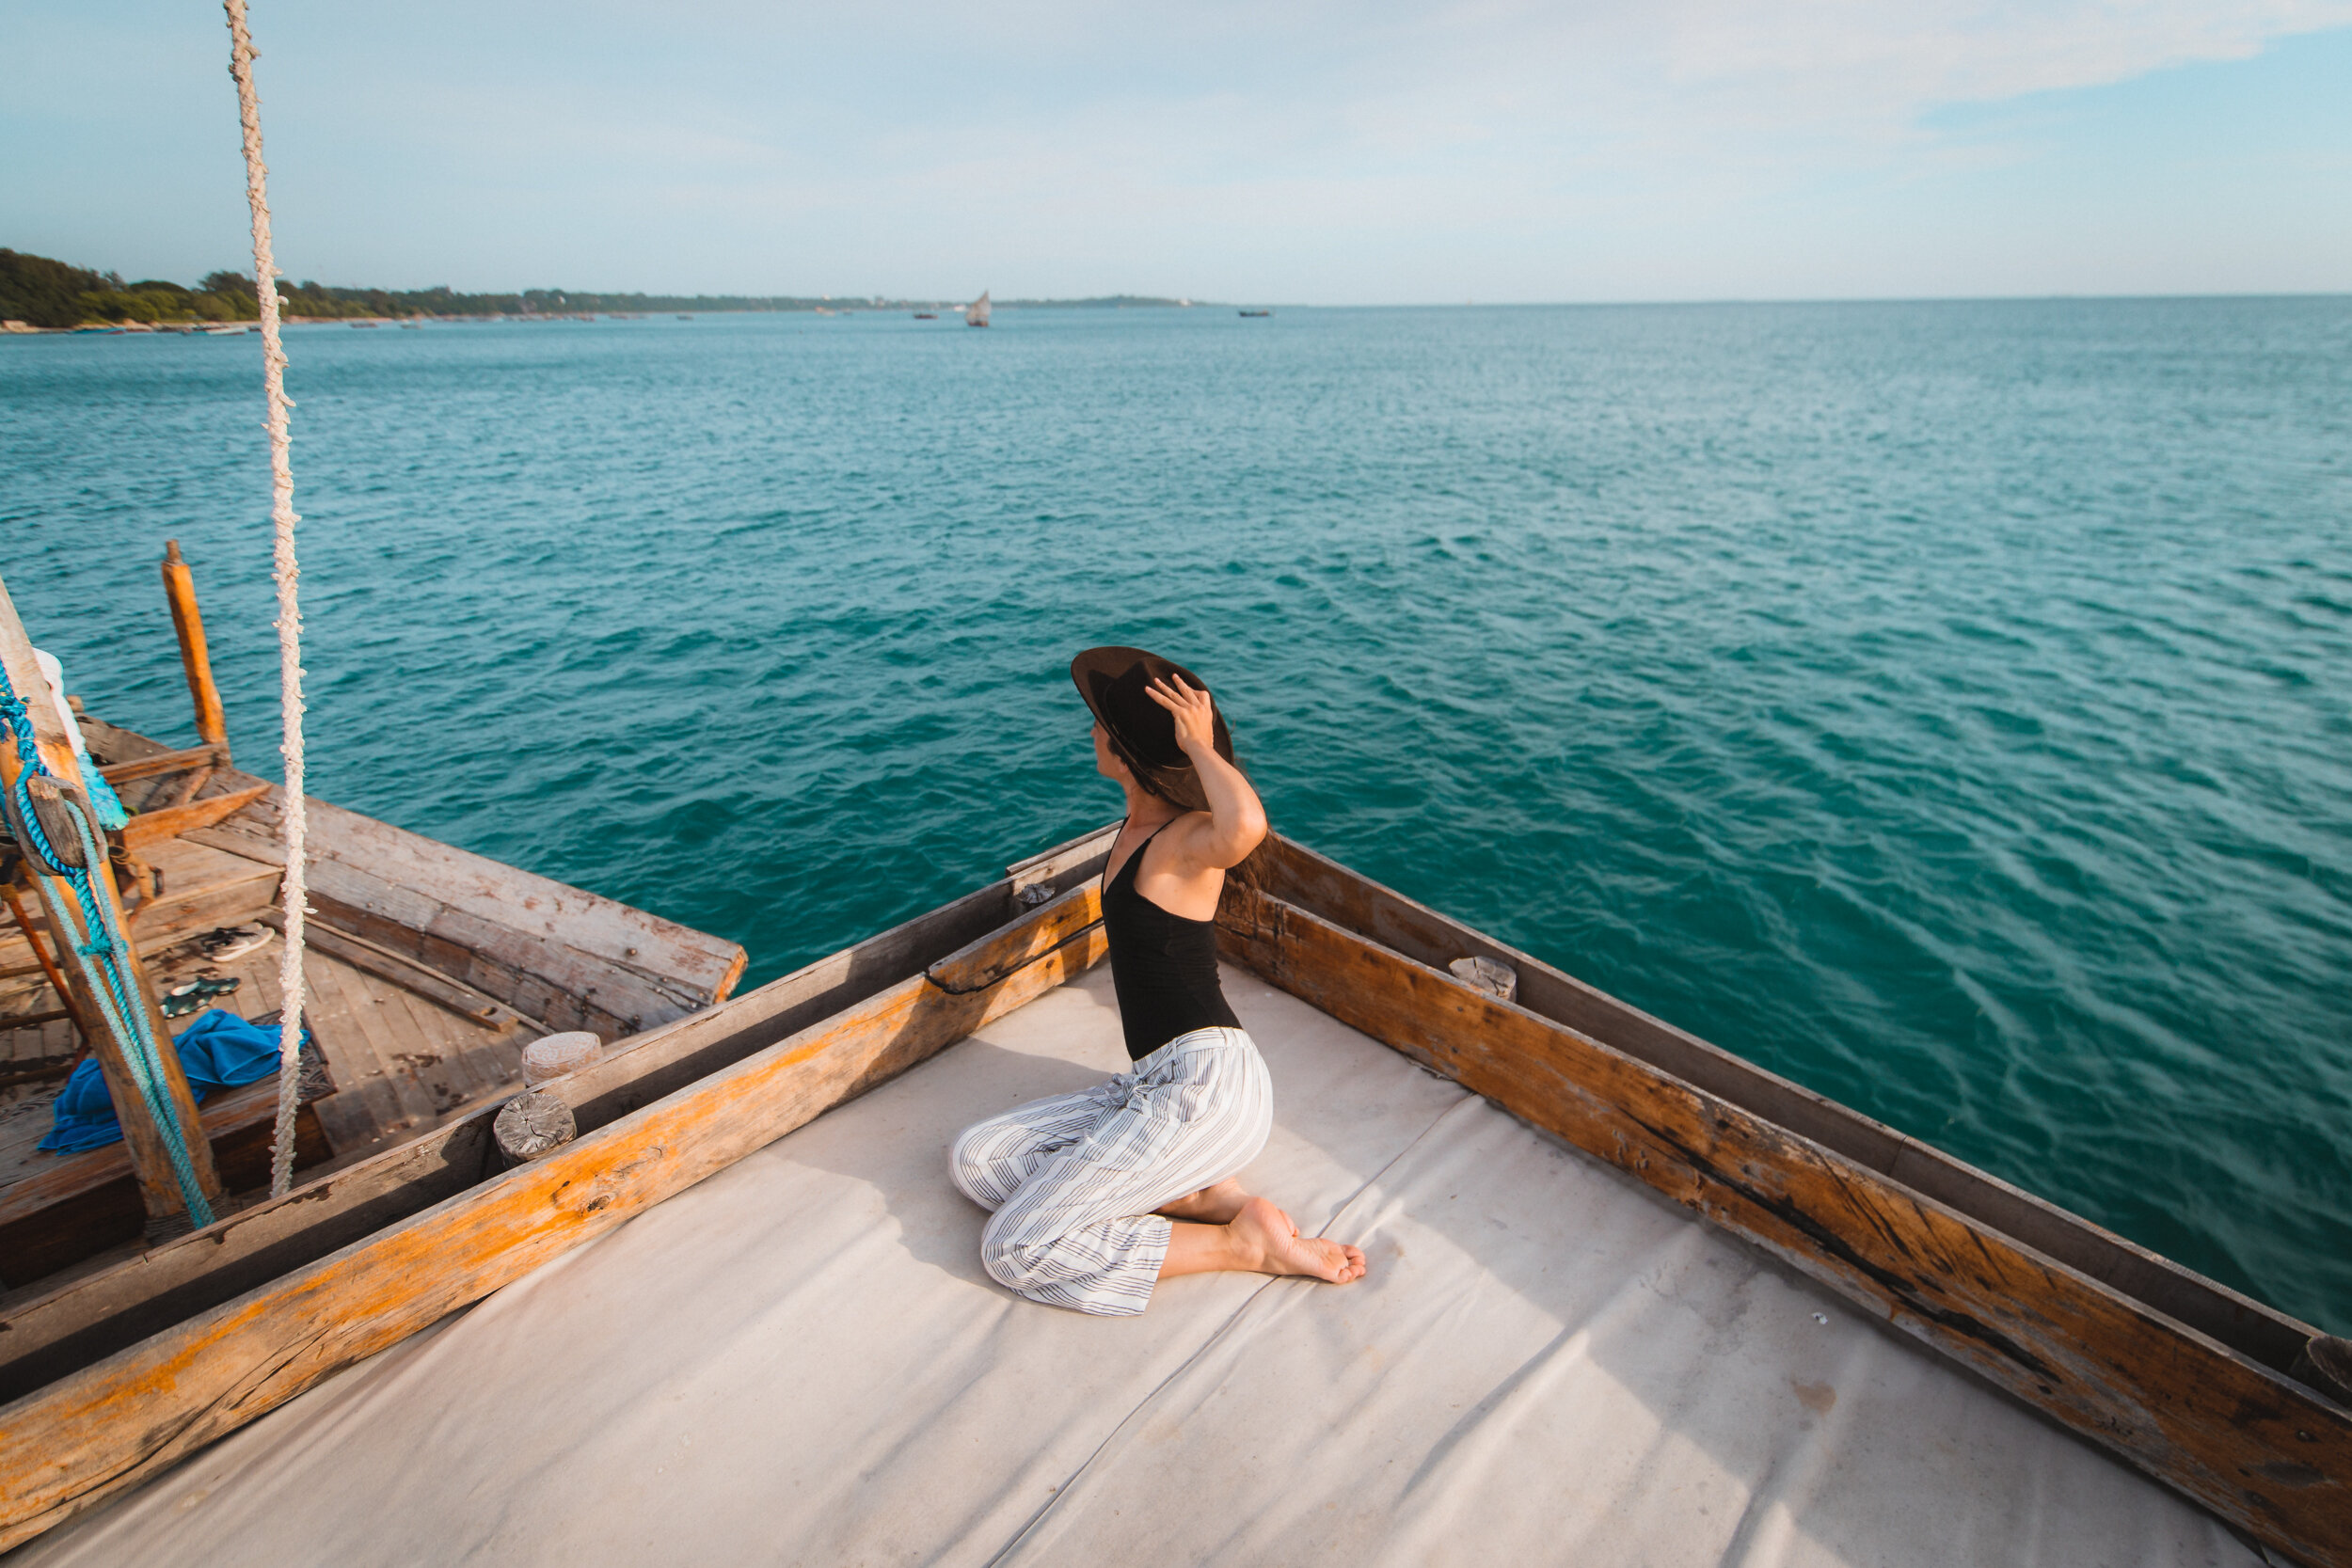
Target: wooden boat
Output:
[(1257, 312), (926, 315), (120, 1373), (975, 314), (430, 968), (114, 1373)]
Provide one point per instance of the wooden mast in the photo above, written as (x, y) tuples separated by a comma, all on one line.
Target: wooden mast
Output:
[(150, 1158)]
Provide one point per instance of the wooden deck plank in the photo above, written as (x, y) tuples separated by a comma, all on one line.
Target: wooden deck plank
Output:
[(470, 1052), (436, 1054), (24, 1123), (639, 969), (361, 1070), (364, 1005), (348, 1118)]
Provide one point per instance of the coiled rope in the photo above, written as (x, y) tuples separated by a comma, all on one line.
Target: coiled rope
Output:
[(100, 948), (289, 615)]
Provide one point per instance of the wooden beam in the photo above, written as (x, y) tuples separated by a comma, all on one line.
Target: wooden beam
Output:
[(80, 1440), (149, 1156), (2265, 1453), (38, 1070), (195, 659), (151, 828), (538, 945), (81, 1204), (42, 964), (554, 953), (407, 974), (1046, 866), (1072, 917), (167, 762)]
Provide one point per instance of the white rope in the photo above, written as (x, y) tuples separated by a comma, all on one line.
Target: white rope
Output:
[(289, 615)]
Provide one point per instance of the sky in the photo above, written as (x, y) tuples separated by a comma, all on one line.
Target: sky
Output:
[(1375, 152)]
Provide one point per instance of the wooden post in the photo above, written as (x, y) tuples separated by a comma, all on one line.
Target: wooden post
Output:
[(180, 588), (149, 1160), (58, 982)]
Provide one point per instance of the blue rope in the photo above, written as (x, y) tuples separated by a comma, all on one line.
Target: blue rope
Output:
[(100, 952)]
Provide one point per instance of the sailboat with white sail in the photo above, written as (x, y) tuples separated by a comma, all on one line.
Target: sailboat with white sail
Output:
[(976, 314)]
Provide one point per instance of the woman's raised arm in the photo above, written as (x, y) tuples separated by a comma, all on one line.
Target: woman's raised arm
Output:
[(1237, 816)]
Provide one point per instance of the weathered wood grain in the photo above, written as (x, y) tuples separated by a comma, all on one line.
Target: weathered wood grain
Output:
[(418, 978), (149, 827), (77, 1441), (158, 763), (90, 1201), (1050, 865), (564, 957), (2264, 1452), (636, 966), (231, 897), (1060, 921), (42, 964)]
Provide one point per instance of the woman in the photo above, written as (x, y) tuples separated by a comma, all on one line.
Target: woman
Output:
[(1098, 1195)]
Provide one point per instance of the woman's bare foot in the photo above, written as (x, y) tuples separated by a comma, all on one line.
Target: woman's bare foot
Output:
[(1216, 1205), (1280, 1250), (1260, 1239)]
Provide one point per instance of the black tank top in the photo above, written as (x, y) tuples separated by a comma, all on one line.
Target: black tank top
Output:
[(1163, 966)]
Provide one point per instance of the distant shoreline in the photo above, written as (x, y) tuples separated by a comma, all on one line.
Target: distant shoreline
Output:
[(203, 328), (39, 292)]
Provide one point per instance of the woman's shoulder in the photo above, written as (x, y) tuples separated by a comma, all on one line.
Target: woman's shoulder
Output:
[(1175, 836)]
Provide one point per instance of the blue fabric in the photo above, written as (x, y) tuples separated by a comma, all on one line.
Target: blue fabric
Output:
[(220, 1051), (111, 813)]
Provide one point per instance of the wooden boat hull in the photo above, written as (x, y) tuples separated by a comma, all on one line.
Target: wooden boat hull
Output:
[(2179, 1376)]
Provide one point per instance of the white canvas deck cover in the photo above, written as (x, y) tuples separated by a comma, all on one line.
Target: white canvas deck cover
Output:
[(800, 1361)]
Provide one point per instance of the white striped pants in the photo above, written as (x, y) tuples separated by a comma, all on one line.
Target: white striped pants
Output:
[(1073, 1179)]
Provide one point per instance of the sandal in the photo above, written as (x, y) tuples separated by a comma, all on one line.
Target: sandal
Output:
[(224, 943)]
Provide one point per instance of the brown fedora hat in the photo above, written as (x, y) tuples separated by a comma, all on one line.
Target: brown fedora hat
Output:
[(1116, 684)]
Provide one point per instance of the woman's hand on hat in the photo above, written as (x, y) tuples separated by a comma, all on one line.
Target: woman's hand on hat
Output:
[(1194, 715)]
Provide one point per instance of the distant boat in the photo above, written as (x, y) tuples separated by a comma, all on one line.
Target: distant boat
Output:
[(1257, 312), (975, 314), (412, 326), (682, 316), (357, 325), (926, 315)]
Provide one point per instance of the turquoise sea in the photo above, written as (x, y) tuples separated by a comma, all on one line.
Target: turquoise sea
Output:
[(1944, 704)]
